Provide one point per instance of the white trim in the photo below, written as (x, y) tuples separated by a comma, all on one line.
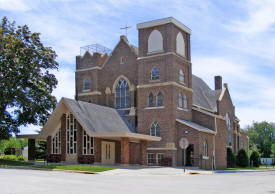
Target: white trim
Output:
[(87, 69), (222, 94), (162, 22), (184, 109), (155, 107), (152, 149), (205, 157), (169, 83), (164, 54), (206, 109), (157, 161), (87, 90), (90, 93), (201, 130), (208, 113)]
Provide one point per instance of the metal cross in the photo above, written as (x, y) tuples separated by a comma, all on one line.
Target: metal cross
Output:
[(126, 29)]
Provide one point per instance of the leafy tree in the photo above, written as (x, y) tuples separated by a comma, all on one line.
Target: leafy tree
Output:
[(255, 159), (242, 158), (261, 135), (26, 83), (231, 159), (12, 143), (273, 150)]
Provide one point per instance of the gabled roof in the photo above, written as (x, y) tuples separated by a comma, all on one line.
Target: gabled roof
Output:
[(203, 96), (195, 126)]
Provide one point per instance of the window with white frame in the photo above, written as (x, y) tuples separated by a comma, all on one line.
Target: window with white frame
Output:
[(151, 158), (185, 102), (86, 85), (56, 143), (159, 158), (122, 95), (159, 99), (179, 100), (155, 73), (155, 129), (88, 144), (71, 133), (205, 149), (181, 76)]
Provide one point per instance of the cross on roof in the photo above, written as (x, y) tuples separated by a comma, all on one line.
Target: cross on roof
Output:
[(126, 29)]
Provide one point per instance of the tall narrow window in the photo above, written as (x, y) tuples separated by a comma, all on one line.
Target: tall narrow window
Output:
[(155, 129), (71, 133), (56, 143), (86, 84), (181, 76), (179, 100), (159, 99), (180, 48), (185, 106), (228, 131), (151, 100), (88, 144), (155, 74), (122, 95), (155, 42), (205, 149)]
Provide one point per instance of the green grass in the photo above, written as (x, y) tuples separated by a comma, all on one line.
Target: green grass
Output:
[(13, 163), (253, 168), (76, 168)]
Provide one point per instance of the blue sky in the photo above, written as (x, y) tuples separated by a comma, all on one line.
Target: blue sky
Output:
[(234, 39)]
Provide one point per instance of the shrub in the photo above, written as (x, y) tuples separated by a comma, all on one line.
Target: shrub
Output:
[(231, 159), (242, 158), (20, 158), (255, 159), (12, 157)]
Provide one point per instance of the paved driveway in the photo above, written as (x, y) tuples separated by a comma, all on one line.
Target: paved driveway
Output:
[(16, 181)]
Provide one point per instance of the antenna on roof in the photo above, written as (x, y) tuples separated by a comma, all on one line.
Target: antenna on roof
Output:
[(126, 29)]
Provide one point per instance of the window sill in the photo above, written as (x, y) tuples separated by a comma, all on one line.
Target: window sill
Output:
[(184, 109), (155, 107), (88, 90), (155, 52), (205, 157), (182, 83), (154, 81)]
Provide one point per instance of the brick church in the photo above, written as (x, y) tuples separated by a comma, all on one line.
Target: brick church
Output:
[(134, 106)]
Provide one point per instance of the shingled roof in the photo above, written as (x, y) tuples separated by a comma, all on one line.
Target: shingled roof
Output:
[(203, 95)]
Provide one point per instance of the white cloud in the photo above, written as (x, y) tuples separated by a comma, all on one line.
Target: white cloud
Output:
[(14, 5)]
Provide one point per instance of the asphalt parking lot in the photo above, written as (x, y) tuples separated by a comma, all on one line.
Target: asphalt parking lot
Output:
[(15, 181)]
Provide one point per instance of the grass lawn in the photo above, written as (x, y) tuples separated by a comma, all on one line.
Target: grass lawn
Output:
[(76, 168), (14, 163), (253, 168)]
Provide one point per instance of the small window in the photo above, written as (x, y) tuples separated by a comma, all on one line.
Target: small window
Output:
[(155, 129), (86, 84), (151, 100), (151, 159), (181, 76), (155, 74), (159, 99), (205, 149), (180, 100), (159, 158), (122, 60), (185, 102)]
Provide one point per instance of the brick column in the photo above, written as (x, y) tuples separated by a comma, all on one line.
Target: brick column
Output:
[(143, 152), (125, 154), (79, 139), (132, 96), (49, 146), (63, 137), (31, 149)]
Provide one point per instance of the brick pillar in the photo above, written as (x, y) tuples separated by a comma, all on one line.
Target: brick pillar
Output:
[(31, 149), (143, 152), (97, 151), (63, 137), (79, 139), (49, 145), (132, 96), (125, 154)]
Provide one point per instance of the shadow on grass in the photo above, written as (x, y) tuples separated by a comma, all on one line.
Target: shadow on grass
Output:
[(14, 163)]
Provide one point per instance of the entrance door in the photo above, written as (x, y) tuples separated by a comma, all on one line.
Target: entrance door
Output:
[(107, 152), (189, 155)]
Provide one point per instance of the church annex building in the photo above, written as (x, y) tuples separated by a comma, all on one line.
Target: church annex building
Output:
[(134, 105)]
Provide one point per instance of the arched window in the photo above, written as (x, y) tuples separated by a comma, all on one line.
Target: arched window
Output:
[(180, 48), (205, 149), (86, 85), (122, 95), (228, 127), (155, 74), (155, 42), (181, 76), (155, 129), (180, 100), (151, 100), (159, 99), (185, 102)]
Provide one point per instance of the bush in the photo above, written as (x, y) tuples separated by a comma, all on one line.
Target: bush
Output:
[(231, 159), (242, 158), (255, 159), (20, 158), (12, 157)]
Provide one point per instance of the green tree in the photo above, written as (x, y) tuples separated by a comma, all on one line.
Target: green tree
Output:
[(242, 158), (13, 142), (261, 135), (255, 159), (26, 83), (231, 159), (273, 150)]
